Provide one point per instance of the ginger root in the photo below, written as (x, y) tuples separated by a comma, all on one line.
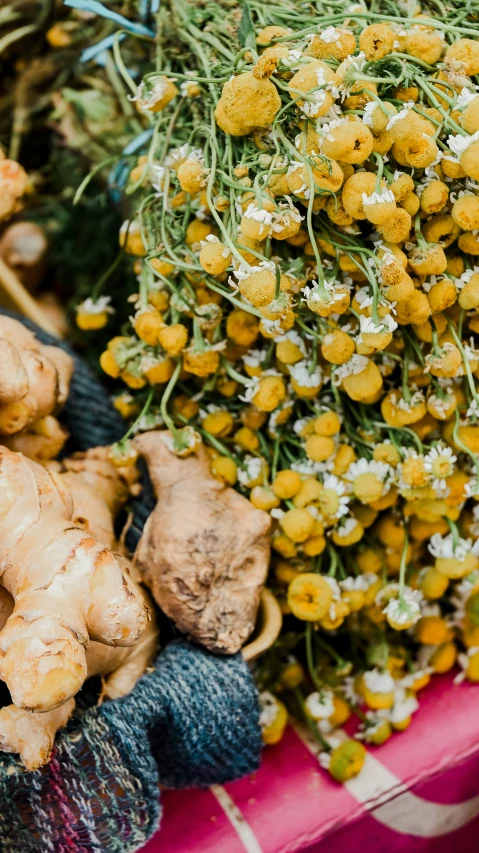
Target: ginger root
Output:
[(42, 440), (67, 588), (114, 484), (90, 510), (205, 549), (23, 246), (34, 377), (32, 735)]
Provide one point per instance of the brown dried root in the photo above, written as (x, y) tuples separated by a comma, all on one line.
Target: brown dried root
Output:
[(204, 551), (34, 378), (67, 588), (31, 735)]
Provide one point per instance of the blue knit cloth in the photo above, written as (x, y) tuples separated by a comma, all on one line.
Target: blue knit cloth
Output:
[(194, 720)]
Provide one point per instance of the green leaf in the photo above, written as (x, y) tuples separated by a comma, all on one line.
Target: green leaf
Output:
[(246, 34)]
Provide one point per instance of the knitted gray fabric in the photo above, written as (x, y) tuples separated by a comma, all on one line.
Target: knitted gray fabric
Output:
[(193, 721)]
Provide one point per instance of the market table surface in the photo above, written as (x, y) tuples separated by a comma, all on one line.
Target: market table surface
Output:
[(419, 792)]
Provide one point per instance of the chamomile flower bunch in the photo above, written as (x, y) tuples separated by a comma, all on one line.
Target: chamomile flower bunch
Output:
[(304, 227)]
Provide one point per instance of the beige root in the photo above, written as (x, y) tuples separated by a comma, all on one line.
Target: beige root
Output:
[(114, 484), (53, 310), (32, 734), (41, 440), (23, 246), (67, 588), (90, 510), (205, 549), (34, 378)]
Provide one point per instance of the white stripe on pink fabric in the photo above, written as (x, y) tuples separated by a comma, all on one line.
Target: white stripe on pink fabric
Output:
[(391, 804), (237, 820)]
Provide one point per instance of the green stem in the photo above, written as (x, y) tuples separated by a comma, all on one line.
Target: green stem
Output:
[(403, 564), (465, 361), (120, 64), (310, 656), (454, 532), (144, 411), (81, 189), (97, 288), (238, 377), (166, 396), (310, 723), (465, 449)]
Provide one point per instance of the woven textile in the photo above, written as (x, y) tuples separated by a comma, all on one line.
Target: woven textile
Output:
[(192, 721)]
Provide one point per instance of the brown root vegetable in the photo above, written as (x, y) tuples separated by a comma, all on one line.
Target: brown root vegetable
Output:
[(99, 490), (31, 735), (13, 376), (34, 378), (120, 668), (23, 246), (68, 588), (114, 484), (6, 606), (205, 549), (13, 183), (90, 510), (54, 311), (42, 440)]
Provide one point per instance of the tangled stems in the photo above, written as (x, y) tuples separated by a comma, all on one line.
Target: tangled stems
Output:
[(209, 195), (403, 429), (357, 17), (305, 160), (431, 92)]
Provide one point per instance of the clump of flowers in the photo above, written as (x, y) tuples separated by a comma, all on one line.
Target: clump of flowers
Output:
[(304, 227)]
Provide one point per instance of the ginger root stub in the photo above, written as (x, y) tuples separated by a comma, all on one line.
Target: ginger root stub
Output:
[(34, 377), (30, 734)]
